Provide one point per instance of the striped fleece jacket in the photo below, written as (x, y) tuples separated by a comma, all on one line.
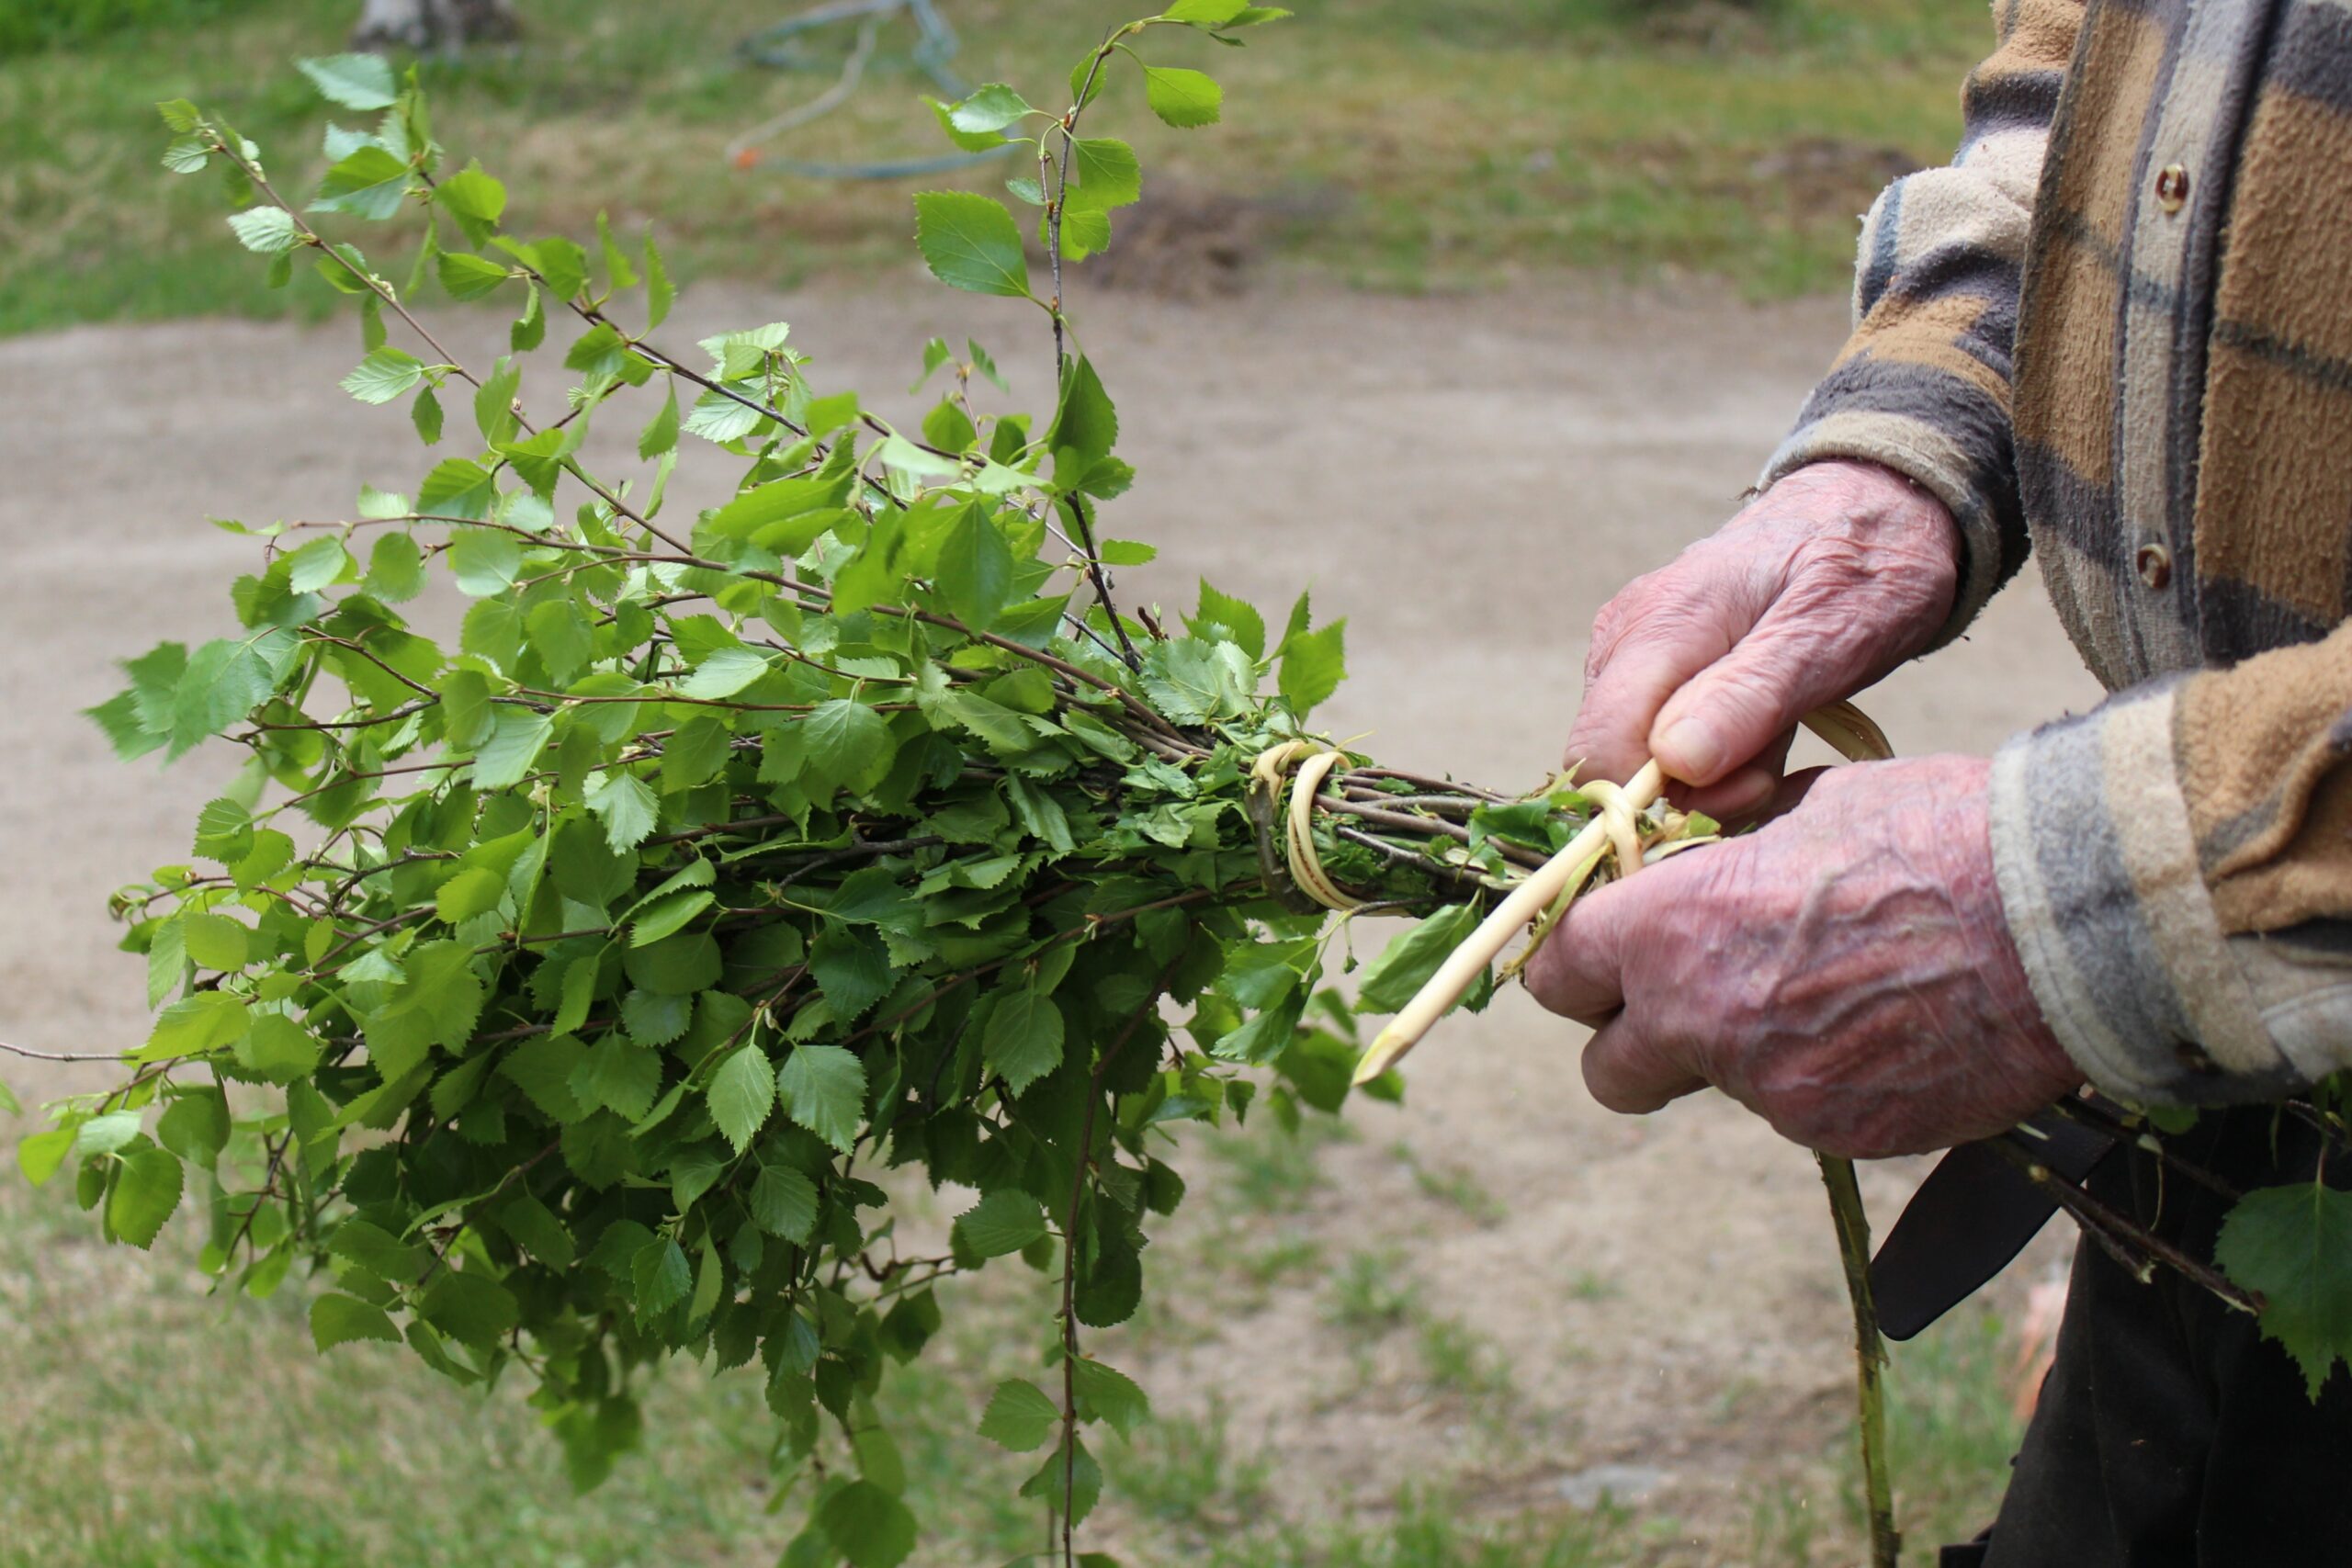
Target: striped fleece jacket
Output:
[(2118, 330)]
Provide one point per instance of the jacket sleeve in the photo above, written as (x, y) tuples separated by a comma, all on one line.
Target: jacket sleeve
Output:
[(1923, 385), (2177, 868)]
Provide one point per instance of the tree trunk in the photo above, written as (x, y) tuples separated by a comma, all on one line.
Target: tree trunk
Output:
[(428, 25)]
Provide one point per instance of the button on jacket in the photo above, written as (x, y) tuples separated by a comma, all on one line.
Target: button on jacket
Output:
[(2117, 330)]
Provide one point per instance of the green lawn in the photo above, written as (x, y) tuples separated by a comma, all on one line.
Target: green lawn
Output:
[(151, 1426), (1387, 143)]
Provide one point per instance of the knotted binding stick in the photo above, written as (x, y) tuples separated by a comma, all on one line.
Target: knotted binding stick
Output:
[(1845, 727), (1613, 831)]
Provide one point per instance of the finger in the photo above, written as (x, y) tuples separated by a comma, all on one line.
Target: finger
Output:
[(1742, 794), (1640, 666), (1791, 794), (1577, 970), (1727, 714), (1628, 1072)]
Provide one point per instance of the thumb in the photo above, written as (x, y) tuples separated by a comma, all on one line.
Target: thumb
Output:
[(1734, 709)]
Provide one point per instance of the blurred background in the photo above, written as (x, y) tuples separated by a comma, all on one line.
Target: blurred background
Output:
[(1471, 311)]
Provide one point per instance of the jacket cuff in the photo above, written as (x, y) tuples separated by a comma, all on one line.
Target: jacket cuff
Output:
[(1943, 459), (2100, 883)]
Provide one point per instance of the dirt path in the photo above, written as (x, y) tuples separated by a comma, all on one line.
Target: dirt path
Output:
[(1467, 480)]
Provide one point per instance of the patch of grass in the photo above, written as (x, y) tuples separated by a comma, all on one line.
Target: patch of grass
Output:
[(1432, 1530), (30, 25), (1373, 1295), (1182, 1472), (1453, 1186), (1265, 1170), (1460, 1361), (152, 1426), (1951, 1428), (1590, 1285), (1782, 1528), (1279, 1260), (1389, 143)]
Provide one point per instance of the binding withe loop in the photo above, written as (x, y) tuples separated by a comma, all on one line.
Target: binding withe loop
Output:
[(1297, 878)]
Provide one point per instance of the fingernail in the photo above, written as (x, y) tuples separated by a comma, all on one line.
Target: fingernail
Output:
[(1689, 750)]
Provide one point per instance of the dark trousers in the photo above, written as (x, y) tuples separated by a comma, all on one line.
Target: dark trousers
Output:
[(2170, 1434)]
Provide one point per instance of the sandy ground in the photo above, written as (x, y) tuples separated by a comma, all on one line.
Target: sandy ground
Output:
[(1466, 480)]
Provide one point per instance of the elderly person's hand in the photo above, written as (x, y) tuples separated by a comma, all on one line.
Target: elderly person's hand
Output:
[(1830, 579), (1844, 970)]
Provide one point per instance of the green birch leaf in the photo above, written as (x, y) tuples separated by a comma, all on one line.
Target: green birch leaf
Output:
[(1236, 616), (991, 107), (1001, 1223), (517, 736), (147, 1188), (618, 273), (319, 564), (868, 1525), (1183, 98), (469, 1308), (1069, 1483), (279, 1049), (426, 414), (383, 376), (530, 328), (355, 81), (971, 243), (969, 140), (1023, 1041), (195, 1127), (852, 969), (1391, 980), (840, 735), (619, 1075), (659, 292), (975, 572), (725, 672), (457, 487), (474, 891), (1085, 427), (1109, 175), (1115, 1396), (469, 277), (742, 1093), (1313, 664), (216, 941), (368, 183), (784, 1203), (1085, 232), (268, 230), (667, 917), (661, 1276), (484, 560), (2293, 1245), (495, 401), (1020, 1417), (661, 432), (342, 1320), (628, 807), (822, 1087), (475, 199), (378, 1251)]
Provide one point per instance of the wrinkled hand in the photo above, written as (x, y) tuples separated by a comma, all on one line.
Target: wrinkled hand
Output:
[(1824, 583), (1844, 970)]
